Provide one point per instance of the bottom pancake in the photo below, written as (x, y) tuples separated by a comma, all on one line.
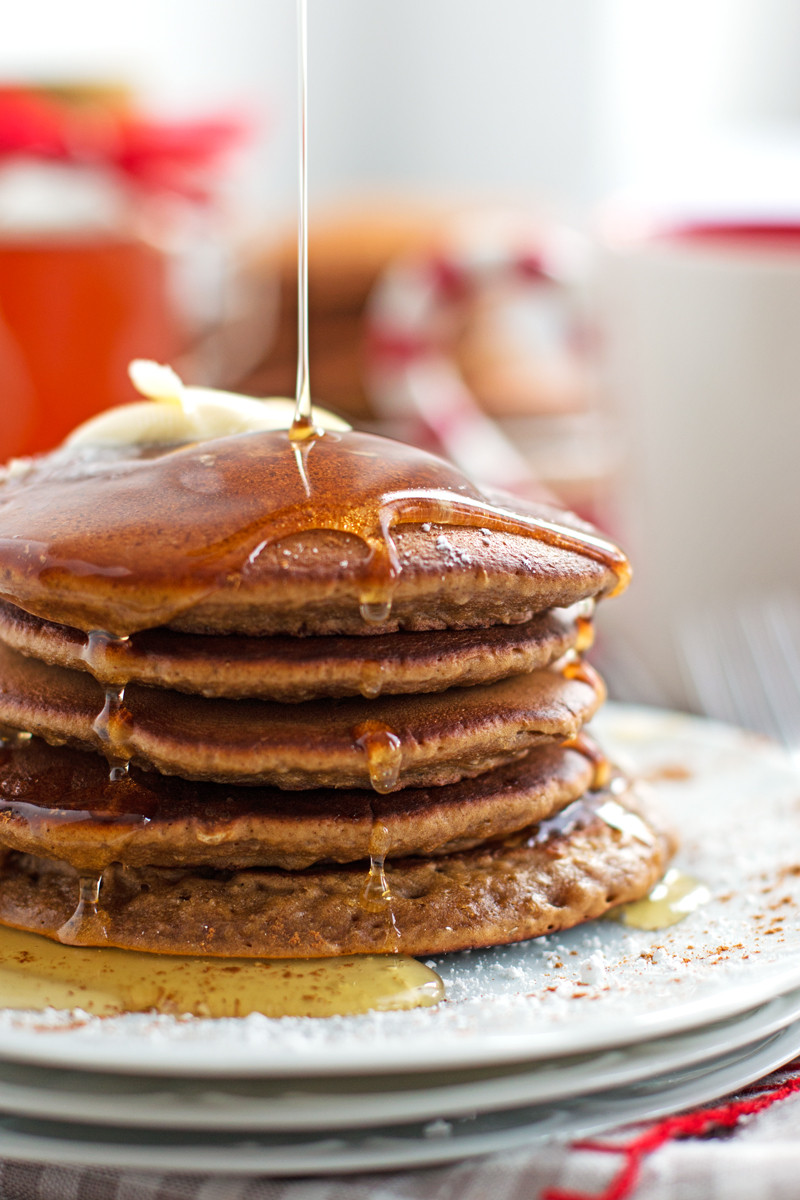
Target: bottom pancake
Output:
[(601, 851)]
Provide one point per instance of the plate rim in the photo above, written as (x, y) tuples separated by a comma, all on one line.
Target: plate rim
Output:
[(583, 1117), (450, 1097)]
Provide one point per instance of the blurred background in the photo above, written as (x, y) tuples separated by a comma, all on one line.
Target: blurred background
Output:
[(557, 242)]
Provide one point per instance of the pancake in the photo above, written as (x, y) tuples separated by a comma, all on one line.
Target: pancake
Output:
[(280, 668), (255, 534), (545, 878), (388, 743), (297, 693), (59, 803)]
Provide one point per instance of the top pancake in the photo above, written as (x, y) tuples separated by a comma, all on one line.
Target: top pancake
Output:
[(254, 534)]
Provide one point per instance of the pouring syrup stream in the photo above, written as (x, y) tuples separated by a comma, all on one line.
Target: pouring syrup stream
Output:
[(302, 426)]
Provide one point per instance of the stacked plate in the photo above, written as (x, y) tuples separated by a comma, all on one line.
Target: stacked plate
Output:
[(559, 1037)]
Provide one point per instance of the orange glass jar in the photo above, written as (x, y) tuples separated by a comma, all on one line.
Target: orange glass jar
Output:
[(75, 309), (85, 184)]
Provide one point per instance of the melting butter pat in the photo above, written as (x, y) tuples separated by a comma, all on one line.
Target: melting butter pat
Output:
[(173, 412)]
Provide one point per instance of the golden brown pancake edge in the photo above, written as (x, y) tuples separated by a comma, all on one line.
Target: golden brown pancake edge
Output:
[(294, 669), (495, 894), (442, 737), (58, 802), (194, 536)]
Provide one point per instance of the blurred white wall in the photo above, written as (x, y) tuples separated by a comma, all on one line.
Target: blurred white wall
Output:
[(455, 94), (701, 103), (564, 99)]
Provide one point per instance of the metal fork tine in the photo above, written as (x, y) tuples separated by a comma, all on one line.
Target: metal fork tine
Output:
[(718, 666), (698, 661), (744, 666), (787, 672), (627, 676), (757, 638), (744, 657)]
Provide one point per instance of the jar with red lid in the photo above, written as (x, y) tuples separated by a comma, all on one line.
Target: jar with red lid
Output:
[(87, 198)]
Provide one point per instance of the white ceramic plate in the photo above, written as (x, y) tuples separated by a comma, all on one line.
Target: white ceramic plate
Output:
[(733, 798), (363, 1101), (392, 1147)]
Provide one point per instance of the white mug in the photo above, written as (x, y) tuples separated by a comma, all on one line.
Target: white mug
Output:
[(701, 350)]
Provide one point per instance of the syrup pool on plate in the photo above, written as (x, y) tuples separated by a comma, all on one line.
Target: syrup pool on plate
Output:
[(36, 973), (670, 901)]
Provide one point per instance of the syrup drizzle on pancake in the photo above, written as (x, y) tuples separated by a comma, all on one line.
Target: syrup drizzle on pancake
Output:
[(670, 901), (110, 723), (573, 667), (384, 754), (110, 726), (119, 825), (589, 748), (575, 816), (164, 528), (376, 895), (618, 817), (86, 926), (98, 643), (585, 639), (371, 679), (375, 612)]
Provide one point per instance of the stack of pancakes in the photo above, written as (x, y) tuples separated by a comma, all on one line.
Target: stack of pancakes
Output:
[(214, 745)]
